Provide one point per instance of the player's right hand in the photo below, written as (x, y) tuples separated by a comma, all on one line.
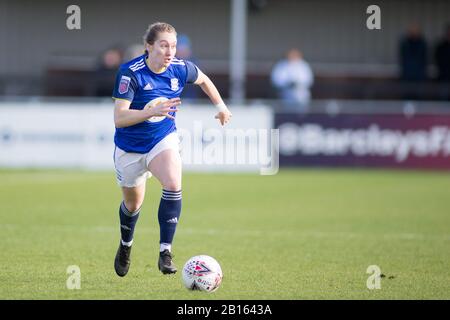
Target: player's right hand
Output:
[(163, 108)]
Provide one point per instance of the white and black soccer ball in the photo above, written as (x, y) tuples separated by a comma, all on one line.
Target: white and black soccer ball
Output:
[(202, 273)]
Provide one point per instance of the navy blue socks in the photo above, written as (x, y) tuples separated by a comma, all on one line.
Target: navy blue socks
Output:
[(127, 223), (168, 216)]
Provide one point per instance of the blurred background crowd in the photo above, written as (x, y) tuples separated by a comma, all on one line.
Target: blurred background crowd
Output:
[(296, 50)]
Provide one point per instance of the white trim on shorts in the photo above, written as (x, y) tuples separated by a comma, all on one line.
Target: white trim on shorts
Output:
[(132, 168)]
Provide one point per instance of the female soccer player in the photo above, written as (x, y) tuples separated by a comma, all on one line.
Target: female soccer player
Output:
[(147, 93)]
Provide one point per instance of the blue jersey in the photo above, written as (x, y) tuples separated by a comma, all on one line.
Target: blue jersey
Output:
[(136, 83)]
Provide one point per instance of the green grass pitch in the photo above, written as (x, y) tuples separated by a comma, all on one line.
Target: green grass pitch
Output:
[(301, 234)]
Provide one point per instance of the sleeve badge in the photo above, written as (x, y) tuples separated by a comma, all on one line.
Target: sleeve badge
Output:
[(124, 84)]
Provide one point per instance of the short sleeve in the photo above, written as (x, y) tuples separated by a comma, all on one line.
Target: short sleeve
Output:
[(191, 72), (125, 86)]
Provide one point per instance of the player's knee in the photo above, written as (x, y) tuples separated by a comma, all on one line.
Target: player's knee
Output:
[(133, 206), (172, 185)]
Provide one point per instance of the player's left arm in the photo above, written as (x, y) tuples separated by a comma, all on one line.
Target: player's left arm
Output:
[(208, 87)]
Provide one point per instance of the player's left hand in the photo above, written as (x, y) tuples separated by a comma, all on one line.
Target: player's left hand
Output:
[(224, 116)]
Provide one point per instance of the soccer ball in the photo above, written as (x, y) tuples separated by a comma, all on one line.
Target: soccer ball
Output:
[(202, 273), (154, 103)]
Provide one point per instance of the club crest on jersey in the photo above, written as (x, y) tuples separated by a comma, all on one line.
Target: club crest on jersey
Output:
[(174, 84), (124, 84)]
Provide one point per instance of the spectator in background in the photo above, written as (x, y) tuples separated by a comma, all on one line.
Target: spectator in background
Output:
[(184, 49), (442, 56), (293, 78), (105, 74), (184, 52), (413, 55)]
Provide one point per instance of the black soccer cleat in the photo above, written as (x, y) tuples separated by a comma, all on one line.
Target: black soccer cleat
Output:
[(122, 261), (165, 264)]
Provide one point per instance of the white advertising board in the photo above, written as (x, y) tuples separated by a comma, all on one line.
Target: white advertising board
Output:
[(80, 135)]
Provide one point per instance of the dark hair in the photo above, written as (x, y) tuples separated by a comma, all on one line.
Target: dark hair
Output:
[(154, 29)]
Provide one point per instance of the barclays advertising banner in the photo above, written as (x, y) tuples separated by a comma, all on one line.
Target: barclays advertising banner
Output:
[(381, 140)]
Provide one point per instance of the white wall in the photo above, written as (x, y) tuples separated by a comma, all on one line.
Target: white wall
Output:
[(80, 135)]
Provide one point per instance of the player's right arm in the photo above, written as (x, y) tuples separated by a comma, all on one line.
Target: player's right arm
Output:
[(123, 94), (125, 117)]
